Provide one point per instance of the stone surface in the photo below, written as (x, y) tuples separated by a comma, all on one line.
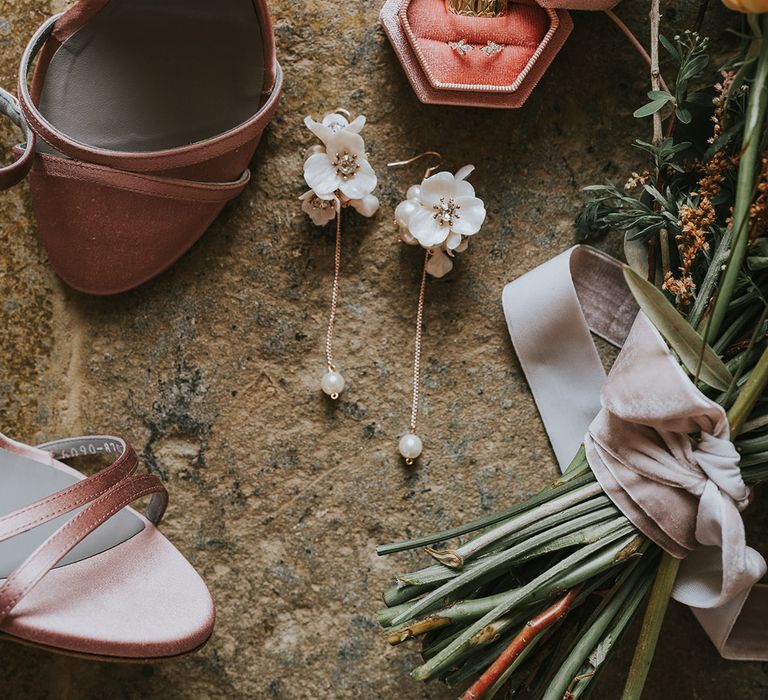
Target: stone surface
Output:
[(279, 496)]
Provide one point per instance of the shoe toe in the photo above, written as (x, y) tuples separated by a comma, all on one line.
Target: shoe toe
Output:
[(140, 600)]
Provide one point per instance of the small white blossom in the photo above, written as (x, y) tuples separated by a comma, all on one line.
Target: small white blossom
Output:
[(341, 165), (321, 211), (440, 215)]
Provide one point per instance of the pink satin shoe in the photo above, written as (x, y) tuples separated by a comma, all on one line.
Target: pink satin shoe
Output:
[(81, 573), (140, 121)]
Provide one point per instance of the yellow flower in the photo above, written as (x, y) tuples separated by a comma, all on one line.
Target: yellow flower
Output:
[(755, 6)]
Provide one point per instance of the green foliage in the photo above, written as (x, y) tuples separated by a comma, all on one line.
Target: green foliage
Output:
[(689, 51)]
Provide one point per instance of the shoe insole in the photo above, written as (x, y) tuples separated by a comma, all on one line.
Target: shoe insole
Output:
[(24, 481), (148, 75)]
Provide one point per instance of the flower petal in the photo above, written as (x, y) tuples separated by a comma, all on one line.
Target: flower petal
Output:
[(406, 237), (362, 183), (346, 141), (404, 211), (453, 241), (439, 264), (335, 122), (321, 211), (321, 175), (426, 230), (414, 192), (433, 188), (317, 148), (465, 172), (464, 189), (463, 246), (472, 216), (322, 132), (357, 125), (367, 206)]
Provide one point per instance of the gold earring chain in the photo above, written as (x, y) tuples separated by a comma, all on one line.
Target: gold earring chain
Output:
[(417, 348), (334, 294)]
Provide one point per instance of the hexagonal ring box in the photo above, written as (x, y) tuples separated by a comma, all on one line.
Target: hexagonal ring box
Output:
[(479, 61)]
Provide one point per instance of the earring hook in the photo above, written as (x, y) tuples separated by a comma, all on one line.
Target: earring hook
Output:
[(344, 113), (431, 169)]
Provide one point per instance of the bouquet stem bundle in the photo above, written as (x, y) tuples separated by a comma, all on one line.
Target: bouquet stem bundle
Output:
[(534, 602)]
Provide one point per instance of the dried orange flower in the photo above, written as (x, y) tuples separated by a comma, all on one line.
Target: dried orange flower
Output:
[(696, 220), (681, 287)]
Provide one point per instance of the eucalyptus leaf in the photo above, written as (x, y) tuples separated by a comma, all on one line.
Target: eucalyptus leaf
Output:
[(693, 67), (684, 115), (670, 48), (649, 109), (660, 95), (685, 341)]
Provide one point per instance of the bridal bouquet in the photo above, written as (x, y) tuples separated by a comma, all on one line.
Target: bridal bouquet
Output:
[(533, 600)]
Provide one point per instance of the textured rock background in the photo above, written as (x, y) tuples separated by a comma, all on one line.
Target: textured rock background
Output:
[(278, 496)]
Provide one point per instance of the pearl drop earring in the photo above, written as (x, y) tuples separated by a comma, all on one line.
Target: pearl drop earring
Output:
[(339, 176), (440, 215)]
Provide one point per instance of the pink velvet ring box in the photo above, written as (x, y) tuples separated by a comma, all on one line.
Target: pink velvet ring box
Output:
[(521, 45)]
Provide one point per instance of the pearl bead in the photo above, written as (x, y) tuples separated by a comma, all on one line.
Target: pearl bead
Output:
[(410, 447), (414, 192), (333, 384)]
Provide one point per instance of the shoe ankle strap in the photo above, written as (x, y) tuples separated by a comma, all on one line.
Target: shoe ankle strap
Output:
[(14, 173)]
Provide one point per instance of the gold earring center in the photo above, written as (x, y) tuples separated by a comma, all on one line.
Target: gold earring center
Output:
[(446, 211)]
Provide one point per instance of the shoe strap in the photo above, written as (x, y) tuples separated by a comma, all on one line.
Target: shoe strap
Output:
[(30, 572), (80, 493), (169, 159), (14, 173)]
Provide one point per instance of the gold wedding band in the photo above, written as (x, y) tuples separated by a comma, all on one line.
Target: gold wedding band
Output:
[(477, 8)]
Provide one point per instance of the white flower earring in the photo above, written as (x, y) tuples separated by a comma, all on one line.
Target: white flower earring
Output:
[(440, 215), (339, 176)]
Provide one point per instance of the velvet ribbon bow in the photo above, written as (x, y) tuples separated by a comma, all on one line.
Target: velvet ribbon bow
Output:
[(660, 449)]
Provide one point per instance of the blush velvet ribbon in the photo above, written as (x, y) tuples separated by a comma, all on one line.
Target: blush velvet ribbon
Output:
[(636, 424)]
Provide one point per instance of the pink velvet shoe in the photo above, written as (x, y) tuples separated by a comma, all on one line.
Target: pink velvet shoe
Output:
[(81, 573), (143, 117)]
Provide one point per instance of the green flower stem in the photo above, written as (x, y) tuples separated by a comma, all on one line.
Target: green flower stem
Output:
[(581, 475), (752, 463), (649, 634), (731, 333), (437, 573), (753, 132), (399, 594), (444, 659), (742, 366), (615, 614), (749, 395), (544, 510), (756, 445), (503, 560), (470, 610)]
